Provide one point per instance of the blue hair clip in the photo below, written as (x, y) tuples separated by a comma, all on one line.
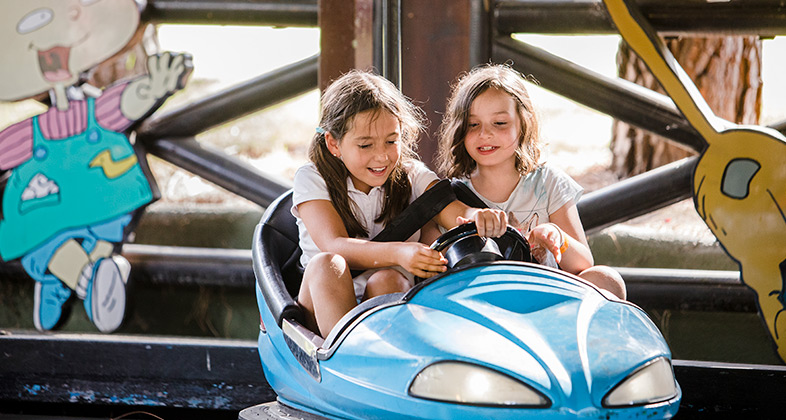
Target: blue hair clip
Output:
[(321, 130)]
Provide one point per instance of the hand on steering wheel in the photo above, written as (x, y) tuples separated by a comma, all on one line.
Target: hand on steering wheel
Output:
[(462, 245)]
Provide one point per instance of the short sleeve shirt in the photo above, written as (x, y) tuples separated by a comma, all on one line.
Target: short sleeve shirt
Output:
[(537, 195), (309, 185)]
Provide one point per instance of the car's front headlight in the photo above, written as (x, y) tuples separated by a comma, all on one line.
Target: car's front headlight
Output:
[(465, 383), (653, 382)]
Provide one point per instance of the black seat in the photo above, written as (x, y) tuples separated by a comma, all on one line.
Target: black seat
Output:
[(276, 257)]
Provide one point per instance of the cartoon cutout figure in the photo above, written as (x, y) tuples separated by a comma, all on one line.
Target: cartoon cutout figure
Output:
[(74, 180), (739, 186)]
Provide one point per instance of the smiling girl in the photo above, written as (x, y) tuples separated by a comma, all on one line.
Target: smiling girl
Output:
[(363, 173), (489, 140)]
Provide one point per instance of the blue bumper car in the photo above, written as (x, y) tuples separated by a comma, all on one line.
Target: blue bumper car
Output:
[(495, 337)]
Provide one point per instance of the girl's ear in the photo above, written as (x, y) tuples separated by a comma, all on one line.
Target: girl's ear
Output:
[(332, 144)]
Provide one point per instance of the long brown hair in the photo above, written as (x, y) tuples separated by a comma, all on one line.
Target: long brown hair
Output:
[(454, 161), (353, 93)]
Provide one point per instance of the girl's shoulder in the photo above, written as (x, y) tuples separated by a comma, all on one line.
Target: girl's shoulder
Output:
[(307, 177), (306, 172), (420, 176), (547, 172)]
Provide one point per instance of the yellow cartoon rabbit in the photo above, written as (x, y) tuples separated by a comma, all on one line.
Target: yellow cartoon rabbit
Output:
[(739, 186)]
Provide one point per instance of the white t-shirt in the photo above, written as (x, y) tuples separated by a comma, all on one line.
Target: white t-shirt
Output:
[(537, 195), (309, 185)]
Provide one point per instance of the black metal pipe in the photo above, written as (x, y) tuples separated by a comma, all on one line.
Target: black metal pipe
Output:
[(637, 195), (479, 32), (615, 97), (650, 288), (179, 265), (391, 40), (299, 13), (699, 290), (225, 171), (258, 93), (766, 18)]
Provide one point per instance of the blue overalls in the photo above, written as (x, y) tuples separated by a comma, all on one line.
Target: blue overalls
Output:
[(82, 187)]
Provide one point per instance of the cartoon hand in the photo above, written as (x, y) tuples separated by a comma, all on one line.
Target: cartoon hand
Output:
[(166, 73)]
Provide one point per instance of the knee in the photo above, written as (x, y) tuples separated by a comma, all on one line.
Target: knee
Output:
[(607, 279), (386, 281), (324, 268)]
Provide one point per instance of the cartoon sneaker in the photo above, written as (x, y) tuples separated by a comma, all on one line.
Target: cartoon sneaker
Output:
[(48, 304), (123, 266), (105, 302)]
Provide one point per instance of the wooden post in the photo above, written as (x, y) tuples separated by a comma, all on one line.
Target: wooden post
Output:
[(346, 38), (440, 40)]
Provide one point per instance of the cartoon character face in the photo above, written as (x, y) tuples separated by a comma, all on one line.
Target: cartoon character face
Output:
[(741, 194), (50, 42)]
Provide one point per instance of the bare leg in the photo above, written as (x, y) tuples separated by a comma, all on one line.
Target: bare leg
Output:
[(429, 232), (386, 281), (607, 279), (327, 292)]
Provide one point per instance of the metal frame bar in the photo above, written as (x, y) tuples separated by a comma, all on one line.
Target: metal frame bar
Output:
[(668, 17), (625, 101), (687, 289), (637, 195), (615, 97), (387, 21), (652, 288), (226, 171), (261, 92), (170, 136), (233, 12)]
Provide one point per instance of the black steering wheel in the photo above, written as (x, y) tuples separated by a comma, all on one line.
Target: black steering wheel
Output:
[(462, 245)]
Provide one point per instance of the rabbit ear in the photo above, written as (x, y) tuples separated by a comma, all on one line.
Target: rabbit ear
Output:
[(642, 38)]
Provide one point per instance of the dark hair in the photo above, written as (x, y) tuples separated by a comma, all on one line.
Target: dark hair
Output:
[(454, 161), (353, 93)]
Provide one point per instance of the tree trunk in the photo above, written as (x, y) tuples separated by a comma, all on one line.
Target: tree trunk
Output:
[(727, 72)]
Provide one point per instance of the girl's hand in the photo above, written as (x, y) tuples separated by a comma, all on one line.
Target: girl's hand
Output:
[(549, 237), (491, 223), (419, 259)]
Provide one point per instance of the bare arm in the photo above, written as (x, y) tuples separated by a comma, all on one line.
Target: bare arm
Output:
[(490, 222), (577, 256), (329, 234)]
